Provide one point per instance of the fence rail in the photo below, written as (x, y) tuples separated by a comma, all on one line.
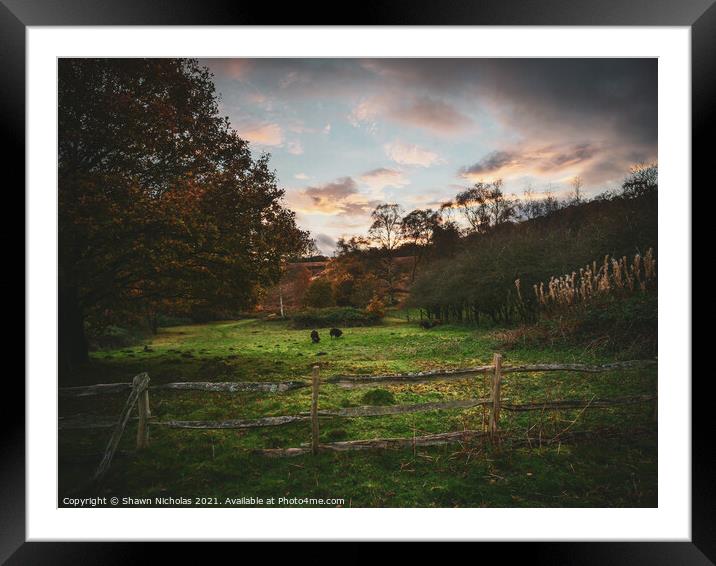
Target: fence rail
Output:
[(139, 395), (218, 386)]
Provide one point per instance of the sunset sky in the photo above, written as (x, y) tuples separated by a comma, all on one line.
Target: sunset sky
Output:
[(347, 134)]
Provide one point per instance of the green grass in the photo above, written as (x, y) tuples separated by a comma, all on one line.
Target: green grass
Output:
[(594, 472)]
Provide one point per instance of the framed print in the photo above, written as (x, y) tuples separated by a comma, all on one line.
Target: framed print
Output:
[(410, 277)]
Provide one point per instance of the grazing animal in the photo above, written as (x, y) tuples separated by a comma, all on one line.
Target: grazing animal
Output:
[(427, 324), (336, 333), (315, 338)]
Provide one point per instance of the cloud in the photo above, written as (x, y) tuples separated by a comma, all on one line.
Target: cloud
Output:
[(262, 134), (337, 197), (436, 116), (383, 177), (295, 147), (301, 176), (325, 243), (430, 114), (366, 113), (233, 68), (493, 162), (525, 161), (411, 154)]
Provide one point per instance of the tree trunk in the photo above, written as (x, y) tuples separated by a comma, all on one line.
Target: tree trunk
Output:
[(72, 342)]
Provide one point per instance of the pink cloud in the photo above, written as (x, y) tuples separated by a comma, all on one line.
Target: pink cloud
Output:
[(262, 134), (431, 114), (411, 154)]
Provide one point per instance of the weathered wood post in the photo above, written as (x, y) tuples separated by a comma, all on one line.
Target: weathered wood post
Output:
[(144, 414), (139, 384), (314, 409), (496, 388)]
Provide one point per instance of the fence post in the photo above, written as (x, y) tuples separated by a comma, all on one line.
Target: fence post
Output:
[(314, 409), (496, 387), (139, 384), (144, 414)]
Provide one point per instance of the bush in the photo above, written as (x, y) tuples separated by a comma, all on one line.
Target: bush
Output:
[(626, 326), (376, 306), (319, 294), (378, 397), (335, 316)]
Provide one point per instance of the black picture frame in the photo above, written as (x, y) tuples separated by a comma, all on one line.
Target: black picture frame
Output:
[(699, 15)]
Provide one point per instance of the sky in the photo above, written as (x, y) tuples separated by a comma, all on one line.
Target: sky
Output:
[(347, 134)]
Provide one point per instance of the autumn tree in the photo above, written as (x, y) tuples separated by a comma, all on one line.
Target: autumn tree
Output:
[(385, 231), (161, 204)]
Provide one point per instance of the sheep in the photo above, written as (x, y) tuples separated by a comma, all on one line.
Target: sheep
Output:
[(315, 338), (336, 333)]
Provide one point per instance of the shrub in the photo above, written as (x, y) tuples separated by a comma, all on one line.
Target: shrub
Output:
[(378, 397), (319, 294), (335, 316), (376, 306)]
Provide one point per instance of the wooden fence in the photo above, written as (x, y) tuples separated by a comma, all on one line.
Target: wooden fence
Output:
[(139, 395)]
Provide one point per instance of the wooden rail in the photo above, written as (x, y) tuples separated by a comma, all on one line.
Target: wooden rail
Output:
[(219, 386), (89, 421), (460, 373), (139, 394)]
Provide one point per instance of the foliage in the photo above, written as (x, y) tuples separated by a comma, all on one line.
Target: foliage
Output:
[(335, 316), (376, 307), (319, 294), (485, 206), (162, 208), (478, 281)]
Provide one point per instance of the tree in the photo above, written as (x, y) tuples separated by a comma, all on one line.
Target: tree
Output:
[(642, 180), (161, 205), (575, 196), (351, 246), (533, 206), (485, 206), (386, 232), (417, 227)]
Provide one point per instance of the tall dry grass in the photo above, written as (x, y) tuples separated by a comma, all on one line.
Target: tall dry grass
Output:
[(613, 276)]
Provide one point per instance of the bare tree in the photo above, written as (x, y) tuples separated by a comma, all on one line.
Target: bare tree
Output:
[(484, 205), (386, 232), (575, 196)]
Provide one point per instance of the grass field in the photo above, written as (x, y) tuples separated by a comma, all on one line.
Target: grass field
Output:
[(603, 469)]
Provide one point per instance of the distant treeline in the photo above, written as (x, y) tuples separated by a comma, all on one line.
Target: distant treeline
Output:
[(478, 280), (461, 261)]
